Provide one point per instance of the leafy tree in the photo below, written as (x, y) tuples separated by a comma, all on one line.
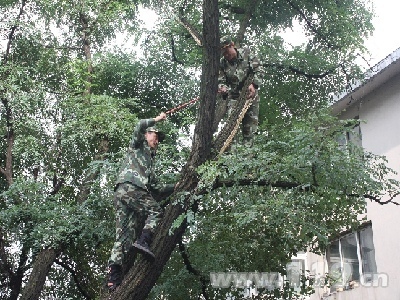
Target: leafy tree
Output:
[(69, 106)]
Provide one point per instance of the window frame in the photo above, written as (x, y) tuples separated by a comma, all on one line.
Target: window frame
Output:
[(346, 282)]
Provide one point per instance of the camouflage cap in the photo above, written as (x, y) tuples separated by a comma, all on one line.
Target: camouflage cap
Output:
[(225, 41), (161, 135)]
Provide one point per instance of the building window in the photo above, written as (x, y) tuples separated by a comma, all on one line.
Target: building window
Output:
[(351, 135), (296, 269), (351, 259)]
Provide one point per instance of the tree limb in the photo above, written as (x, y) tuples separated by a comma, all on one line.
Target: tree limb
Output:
[(8, 170), (57, 184), (311, 25), (16, 278), (86, 47), (11, 35), (74, 276), (248, 14), (300, 72), (290, 185), (189, 27), (5, 266), (379, 201), (174, 58), (40, 269), (250, 181), (192, 270)]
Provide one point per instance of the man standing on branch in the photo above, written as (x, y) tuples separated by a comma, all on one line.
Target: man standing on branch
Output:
[(133, 198), (236, 65)]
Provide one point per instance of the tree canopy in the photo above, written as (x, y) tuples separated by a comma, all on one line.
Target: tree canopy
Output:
[(76, 76)]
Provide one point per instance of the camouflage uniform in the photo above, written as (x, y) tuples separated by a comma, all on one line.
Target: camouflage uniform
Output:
[(232, 75), (133, 193)]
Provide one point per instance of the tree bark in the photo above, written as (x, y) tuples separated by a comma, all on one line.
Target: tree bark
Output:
[(41, 267), (245, 21), (10, 136)]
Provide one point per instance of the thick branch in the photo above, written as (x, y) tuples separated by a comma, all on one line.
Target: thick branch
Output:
[(246, 20), (378, 199), (7, 171), (40, 269), (290, 185), (189, 27), (300, 72), (16, 278), (248, 182), (57, 184), (11, 35), (5, 266), (84, 20)]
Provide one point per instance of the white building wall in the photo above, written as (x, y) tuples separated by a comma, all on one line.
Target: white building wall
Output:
[(380, 135)]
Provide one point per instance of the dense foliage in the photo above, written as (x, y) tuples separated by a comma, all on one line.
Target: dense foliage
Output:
[(71, 94)]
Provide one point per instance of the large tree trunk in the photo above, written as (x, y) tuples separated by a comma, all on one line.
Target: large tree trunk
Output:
[(142, 277), (41, 268)]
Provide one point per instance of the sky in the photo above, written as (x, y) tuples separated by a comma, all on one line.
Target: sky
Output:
[(385, 38), (383, 42)]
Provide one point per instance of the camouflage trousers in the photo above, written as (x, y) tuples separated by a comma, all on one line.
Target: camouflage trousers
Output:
[(134, 206), (249, 123)]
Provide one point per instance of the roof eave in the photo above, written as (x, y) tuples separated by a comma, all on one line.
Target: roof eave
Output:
[(375, 77)]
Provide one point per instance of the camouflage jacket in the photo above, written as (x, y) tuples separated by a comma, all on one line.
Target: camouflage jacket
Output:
[(137, 167), (234, 74)]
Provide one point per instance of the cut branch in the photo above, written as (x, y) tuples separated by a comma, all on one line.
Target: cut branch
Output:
[(190, 28), (226, 134)]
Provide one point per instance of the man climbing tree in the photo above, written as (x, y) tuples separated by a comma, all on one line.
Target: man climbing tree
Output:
[(133, 200)]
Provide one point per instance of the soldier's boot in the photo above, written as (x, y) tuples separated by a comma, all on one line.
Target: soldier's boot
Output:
[(114, 277), (142, 245)]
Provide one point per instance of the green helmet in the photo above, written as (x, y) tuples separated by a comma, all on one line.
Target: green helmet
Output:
[(160, 134), (225, 41)]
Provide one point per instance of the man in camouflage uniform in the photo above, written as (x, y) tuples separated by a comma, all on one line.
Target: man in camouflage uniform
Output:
[(133, 198), (235, 67)]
